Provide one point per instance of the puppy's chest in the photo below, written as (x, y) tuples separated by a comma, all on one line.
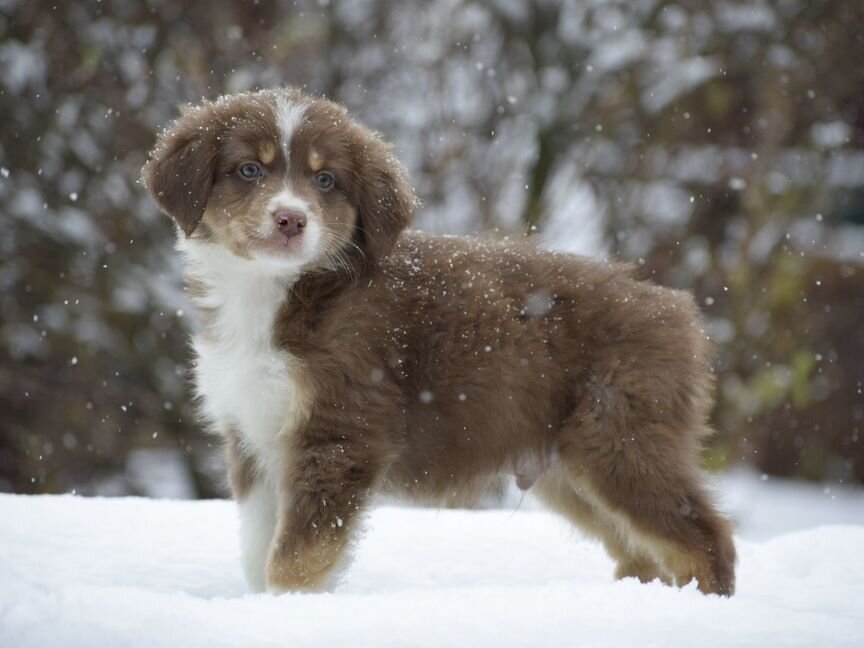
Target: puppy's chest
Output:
[(245, 382)]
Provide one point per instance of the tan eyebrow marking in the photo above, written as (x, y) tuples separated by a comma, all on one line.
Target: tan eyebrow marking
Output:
[(267, 152), (316, 162)]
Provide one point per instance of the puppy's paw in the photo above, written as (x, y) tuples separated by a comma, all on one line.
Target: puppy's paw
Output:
[(286, 574), (277, 590)]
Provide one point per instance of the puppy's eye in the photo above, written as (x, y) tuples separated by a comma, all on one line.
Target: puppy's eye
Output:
[(250, 171), (324, 180)]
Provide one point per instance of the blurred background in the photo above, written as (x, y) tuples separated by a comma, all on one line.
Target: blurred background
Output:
[(717, 144)]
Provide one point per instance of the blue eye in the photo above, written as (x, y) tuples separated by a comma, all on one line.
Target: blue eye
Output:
[(324, 180), (250, 171)]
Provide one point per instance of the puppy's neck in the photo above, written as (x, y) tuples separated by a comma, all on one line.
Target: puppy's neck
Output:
[(237, 298)]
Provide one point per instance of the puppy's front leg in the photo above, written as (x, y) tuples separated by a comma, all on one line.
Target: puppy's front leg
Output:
[(256, 501), (325, 487)]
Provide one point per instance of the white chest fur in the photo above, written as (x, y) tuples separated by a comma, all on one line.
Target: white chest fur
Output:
[(245, 382)]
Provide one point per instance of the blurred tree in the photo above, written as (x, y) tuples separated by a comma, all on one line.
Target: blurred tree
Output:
[(718, 145)]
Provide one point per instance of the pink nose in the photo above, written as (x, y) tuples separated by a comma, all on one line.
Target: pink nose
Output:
[(290, 222)]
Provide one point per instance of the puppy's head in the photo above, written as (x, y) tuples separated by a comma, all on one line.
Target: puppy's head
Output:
[(280, 178)]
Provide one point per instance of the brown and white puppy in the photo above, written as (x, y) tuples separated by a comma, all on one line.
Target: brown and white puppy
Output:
[(341, 356)]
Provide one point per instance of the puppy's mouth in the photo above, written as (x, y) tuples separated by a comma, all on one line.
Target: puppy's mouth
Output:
[(279, 243)]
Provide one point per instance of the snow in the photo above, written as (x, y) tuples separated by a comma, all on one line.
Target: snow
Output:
[(137, 572)]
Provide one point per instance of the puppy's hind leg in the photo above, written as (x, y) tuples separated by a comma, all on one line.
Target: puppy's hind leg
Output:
[(644, 472), (559, 493)]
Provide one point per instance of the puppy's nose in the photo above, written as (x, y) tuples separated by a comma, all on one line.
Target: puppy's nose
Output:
[(290, 222)]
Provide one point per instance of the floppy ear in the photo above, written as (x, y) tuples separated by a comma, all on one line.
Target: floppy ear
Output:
[(385, 200), (181, 171)]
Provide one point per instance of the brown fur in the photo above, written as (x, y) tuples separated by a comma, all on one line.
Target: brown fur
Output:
[(431, 366)]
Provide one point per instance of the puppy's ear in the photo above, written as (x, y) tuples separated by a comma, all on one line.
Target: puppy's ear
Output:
[(385, 200), (181, 170)]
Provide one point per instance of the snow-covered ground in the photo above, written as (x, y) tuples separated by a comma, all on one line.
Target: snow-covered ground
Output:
[(136, 572)]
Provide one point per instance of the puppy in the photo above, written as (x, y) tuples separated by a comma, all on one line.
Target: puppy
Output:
[(341, 356)]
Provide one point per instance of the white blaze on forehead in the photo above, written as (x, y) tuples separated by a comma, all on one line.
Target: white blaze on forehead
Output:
[(289, 116)]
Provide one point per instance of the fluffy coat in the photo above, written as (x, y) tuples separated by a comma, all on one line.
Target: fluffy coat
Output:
[(342, 356)]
